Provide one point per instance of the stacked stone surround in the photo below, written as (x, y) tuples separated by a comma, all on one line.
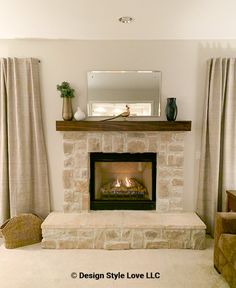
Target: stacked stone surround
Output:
[(169, 147), (78, 227), (123, 230)]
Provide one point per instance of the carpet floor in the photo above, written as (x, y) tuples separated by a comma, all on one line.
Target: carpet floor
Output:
[(32, 266)]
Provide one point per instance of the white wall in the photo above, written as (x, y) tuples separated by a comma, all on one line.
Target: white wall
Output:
[(183, 66), (91, 19)]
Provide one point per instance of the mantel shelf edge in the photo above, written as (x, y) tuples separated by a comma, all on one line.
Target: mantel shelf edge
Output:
[(123, 125)]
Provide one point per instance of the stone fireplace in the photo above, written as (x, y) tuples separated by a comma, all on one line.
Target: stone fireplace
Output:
[(169, 150), (110, 161)]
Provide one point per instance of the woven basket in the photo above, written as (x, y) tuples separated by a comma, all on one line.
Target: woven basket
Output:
[(21, 230)]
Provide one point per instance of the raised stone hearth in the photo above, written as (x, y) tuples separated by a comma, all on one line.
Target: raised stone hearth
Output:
[(123, 230)]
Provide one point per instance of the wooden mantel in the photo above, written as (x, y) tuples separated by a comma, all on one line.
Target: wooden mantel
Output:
[(123, 125)]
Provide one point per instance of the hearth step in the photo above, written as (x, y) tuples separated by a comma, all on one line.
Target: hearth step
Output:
[(118, 230)]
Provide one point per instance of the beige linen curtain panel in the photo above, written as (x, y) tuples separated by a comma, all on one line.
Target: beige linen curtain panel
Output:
[(218, 153), (24, 185)]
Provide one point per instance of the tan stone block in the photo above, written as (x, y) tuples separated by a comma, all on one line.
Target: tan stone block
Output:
[(85, 202), (94, 144), (107, 143), (152, 144), (164, 172), (166, 136), (198, 239), (66, 207), (84, 174), (178, 182), (173, 160), (74, 135), (178, 173), (117, 245), (126, 234), (68, 196), (68, 178), (137, 240), (136, 135), (77, 174), (49, 244), (77, 196), (53, 234), (81, 161), (86, 243), (112, 235), (78, 135), (118, 144), (68, 135), (156, 134), (72, 233), (162, 205), (176, 234), (86, 233), (164, 188), (178, 136), (156, 244), (67, 244), (75, 207), (162, 147), (82, 186), (68, 148), (176, 148), (177, 192), (176, 244), (69, 163), (170, 172), (136, 146), (99, 239), (71, 207), (81, 145), (152, 234), (176, 204), (162, 159)]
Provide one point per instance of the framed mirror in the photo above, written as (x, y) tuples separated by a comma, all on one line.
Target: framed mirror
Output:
[(110, 91)]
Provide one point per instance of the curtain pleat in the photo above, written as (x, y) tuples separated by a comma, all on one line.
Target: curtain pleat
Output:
[(4, 166), (217, 165), (27, 177)]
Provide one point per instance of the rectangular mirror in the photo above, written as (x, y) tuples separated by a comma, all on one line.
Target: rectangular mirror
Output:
[(110, 91)]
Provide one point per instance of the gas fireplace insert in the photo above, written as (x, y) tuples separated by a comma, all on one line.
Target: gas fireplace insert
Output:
[(123, 181)]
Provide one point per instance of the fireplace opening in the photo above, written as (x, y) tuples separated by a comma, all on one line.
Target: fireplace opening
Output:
[(122, 181)]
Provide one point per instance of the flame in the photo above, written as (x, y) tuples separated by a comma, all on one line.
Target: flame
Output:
[(118, 183), (127, 182)]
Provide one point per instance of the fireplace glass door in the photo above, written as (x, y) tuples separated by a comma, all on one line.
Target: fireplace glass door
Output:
[(122, 181)]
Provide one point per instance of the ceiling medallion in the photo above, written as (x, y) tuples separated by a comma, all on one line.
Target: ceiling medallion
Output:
[(126, 19)]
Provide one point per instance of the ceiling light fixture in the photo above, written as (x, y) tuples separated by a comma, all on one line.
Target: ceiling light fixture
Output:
[(126, 19)]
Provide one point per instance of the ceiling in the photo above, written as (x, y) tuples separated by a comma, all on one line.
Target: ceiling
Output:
[(98, 19)]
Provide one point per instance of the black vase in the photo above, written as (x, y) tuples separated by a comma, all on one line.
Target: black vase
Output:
[(171, 109)]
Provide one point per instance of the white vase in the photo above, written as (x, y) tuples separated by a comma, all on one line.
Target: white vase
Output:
[(79, 114)]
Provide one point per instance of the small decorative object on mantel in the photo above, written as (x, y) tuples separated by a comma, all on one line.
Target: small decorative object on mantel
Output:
[(66, 93), (79, 114), (171, 109), (124, 115)]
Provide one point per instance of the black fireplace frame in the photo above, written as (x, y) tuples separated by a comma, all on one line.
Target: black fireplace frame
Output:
[(122, 204)]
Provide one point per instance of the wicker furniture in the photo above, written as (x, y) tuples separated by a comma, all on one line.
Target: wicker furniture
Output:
[(225, 246), (231, 201), (21, 230)]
